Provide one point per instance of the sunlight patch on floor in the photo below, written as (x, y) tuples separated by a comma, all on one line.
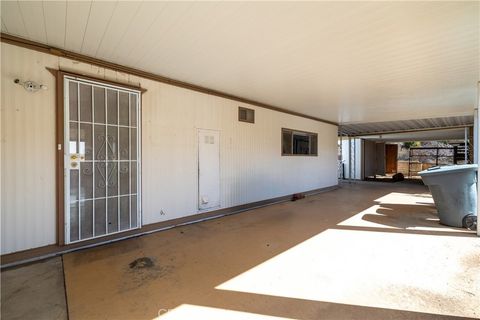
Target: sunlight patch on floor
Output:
[(406, 199), (422, 273), (401, 211), (381, 216), (188, 311)]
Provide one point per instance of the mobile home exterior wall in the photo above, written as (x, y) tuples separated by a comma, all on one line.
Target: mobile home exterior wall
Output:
[(251, 166), (355, 161)]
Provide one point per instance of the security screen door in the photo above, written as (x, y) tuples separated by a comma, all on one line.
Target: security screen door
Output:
[(102, 159)]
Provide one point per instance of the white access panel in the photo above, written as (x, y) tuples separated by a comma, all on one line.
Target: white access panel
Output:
[(208, 169)]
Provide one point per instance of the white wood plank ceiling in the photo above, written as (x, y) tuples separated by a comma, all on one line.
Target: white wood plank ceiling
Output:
[(348, 62)]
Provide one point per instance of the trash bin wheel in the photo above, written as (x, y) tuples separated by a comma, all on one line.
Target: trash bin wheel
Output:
[(470, 222)]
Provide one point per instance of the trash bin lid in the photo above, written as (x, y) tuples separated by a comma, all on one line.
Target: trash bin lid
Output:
[(448, 169)]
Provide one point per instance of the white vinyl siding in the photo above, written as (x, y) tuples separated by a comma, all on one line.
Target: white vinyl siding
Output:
[(251, 166)]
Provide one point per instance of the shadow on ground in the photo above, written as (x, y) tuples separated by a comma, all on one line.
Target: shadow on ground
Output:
[(288, 260)]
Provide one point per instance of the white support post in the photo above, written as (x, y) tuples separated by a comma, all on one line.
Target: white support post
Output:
[(475, 136), (476, 151), (354, 158), (340, 161), (349, 159), (466, 145)]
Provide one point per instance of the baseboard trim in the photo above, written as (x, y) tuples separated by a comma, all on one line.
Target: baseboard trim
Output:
[(37, 254)]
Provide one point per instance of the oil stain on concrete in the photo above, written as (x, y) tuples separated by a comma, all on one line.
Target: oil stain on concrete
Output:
[(141, 271)]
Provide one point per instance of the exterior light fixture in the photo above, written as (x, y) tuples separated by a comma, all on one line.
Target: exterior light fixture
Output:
[(30, 86)]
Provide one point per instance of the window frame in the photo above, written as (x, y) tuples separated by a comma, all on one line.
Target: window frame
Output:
[(301, 132)]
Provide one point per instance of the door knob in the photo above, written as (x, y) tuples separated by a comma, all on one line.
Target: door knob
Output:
[(75, 161)]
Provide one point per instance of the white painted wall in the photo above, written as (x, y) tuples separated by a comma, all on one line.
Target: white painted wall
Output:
[(251, 167), (356, 160), (28, 151)]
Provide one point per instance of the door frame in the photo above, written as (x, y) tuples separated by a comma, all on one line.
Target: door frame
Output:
[(60, 148)]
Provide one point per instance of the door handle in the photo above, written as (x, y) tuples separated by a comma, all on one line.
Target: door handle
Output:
[(75, 159)]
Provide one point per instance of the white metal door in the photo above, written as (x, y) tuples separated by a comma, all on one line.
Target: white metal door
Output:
[(208, 169), (102, 159)]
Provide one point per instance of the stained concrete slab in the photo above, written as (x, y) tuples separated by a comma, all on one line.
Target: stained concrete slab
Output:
[(34, 291), (365, 251)]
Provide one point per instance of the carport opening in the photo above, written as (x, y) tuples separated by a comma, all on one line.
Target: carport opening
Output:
[(404, 160), (401, 156)]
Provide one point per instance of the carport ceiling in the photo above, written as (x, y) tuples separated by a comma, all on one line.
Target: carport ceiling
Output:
[(345, 62)]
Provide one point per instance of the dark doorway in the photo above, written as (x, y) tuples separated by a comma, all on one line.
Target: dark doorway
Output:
[(391, 153)]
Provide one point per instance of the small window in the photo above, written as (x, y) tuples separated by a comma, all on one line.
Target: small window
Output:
[(296, 142), (246, 115)]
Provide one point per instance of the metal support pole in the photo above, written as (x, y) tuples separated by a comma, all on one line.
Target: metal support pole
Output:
[(354, 158), (466, 145), (349, 159), (340, 161), (477, 152), (475, 136)]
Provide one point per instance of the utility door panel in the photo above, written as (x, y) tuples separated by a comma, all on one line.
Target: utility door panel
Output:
[(208, 169)]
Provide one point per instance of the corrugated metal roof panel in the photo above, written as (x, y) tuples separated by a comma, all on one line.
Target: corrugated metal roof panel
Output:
[(359, 129)]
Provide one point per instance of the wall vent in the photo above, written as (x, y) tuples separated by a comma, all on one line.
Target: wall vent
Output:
[(246, 115)]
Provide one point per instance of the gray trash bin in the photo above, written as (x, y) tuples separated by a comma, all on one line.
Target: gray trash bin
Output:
[(454, 191)]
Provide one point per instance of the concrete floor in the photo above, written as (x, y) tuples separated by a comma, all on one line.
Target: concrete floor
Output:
[(365, 251), (34, 291)]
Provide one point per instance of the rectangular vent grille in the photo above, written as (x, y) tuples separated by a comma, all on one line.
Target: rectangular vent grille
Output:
[(246, 115)]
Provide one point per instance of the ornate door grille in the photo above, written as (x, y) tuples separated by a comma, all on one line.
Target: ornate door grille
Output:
[(102, 159)]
